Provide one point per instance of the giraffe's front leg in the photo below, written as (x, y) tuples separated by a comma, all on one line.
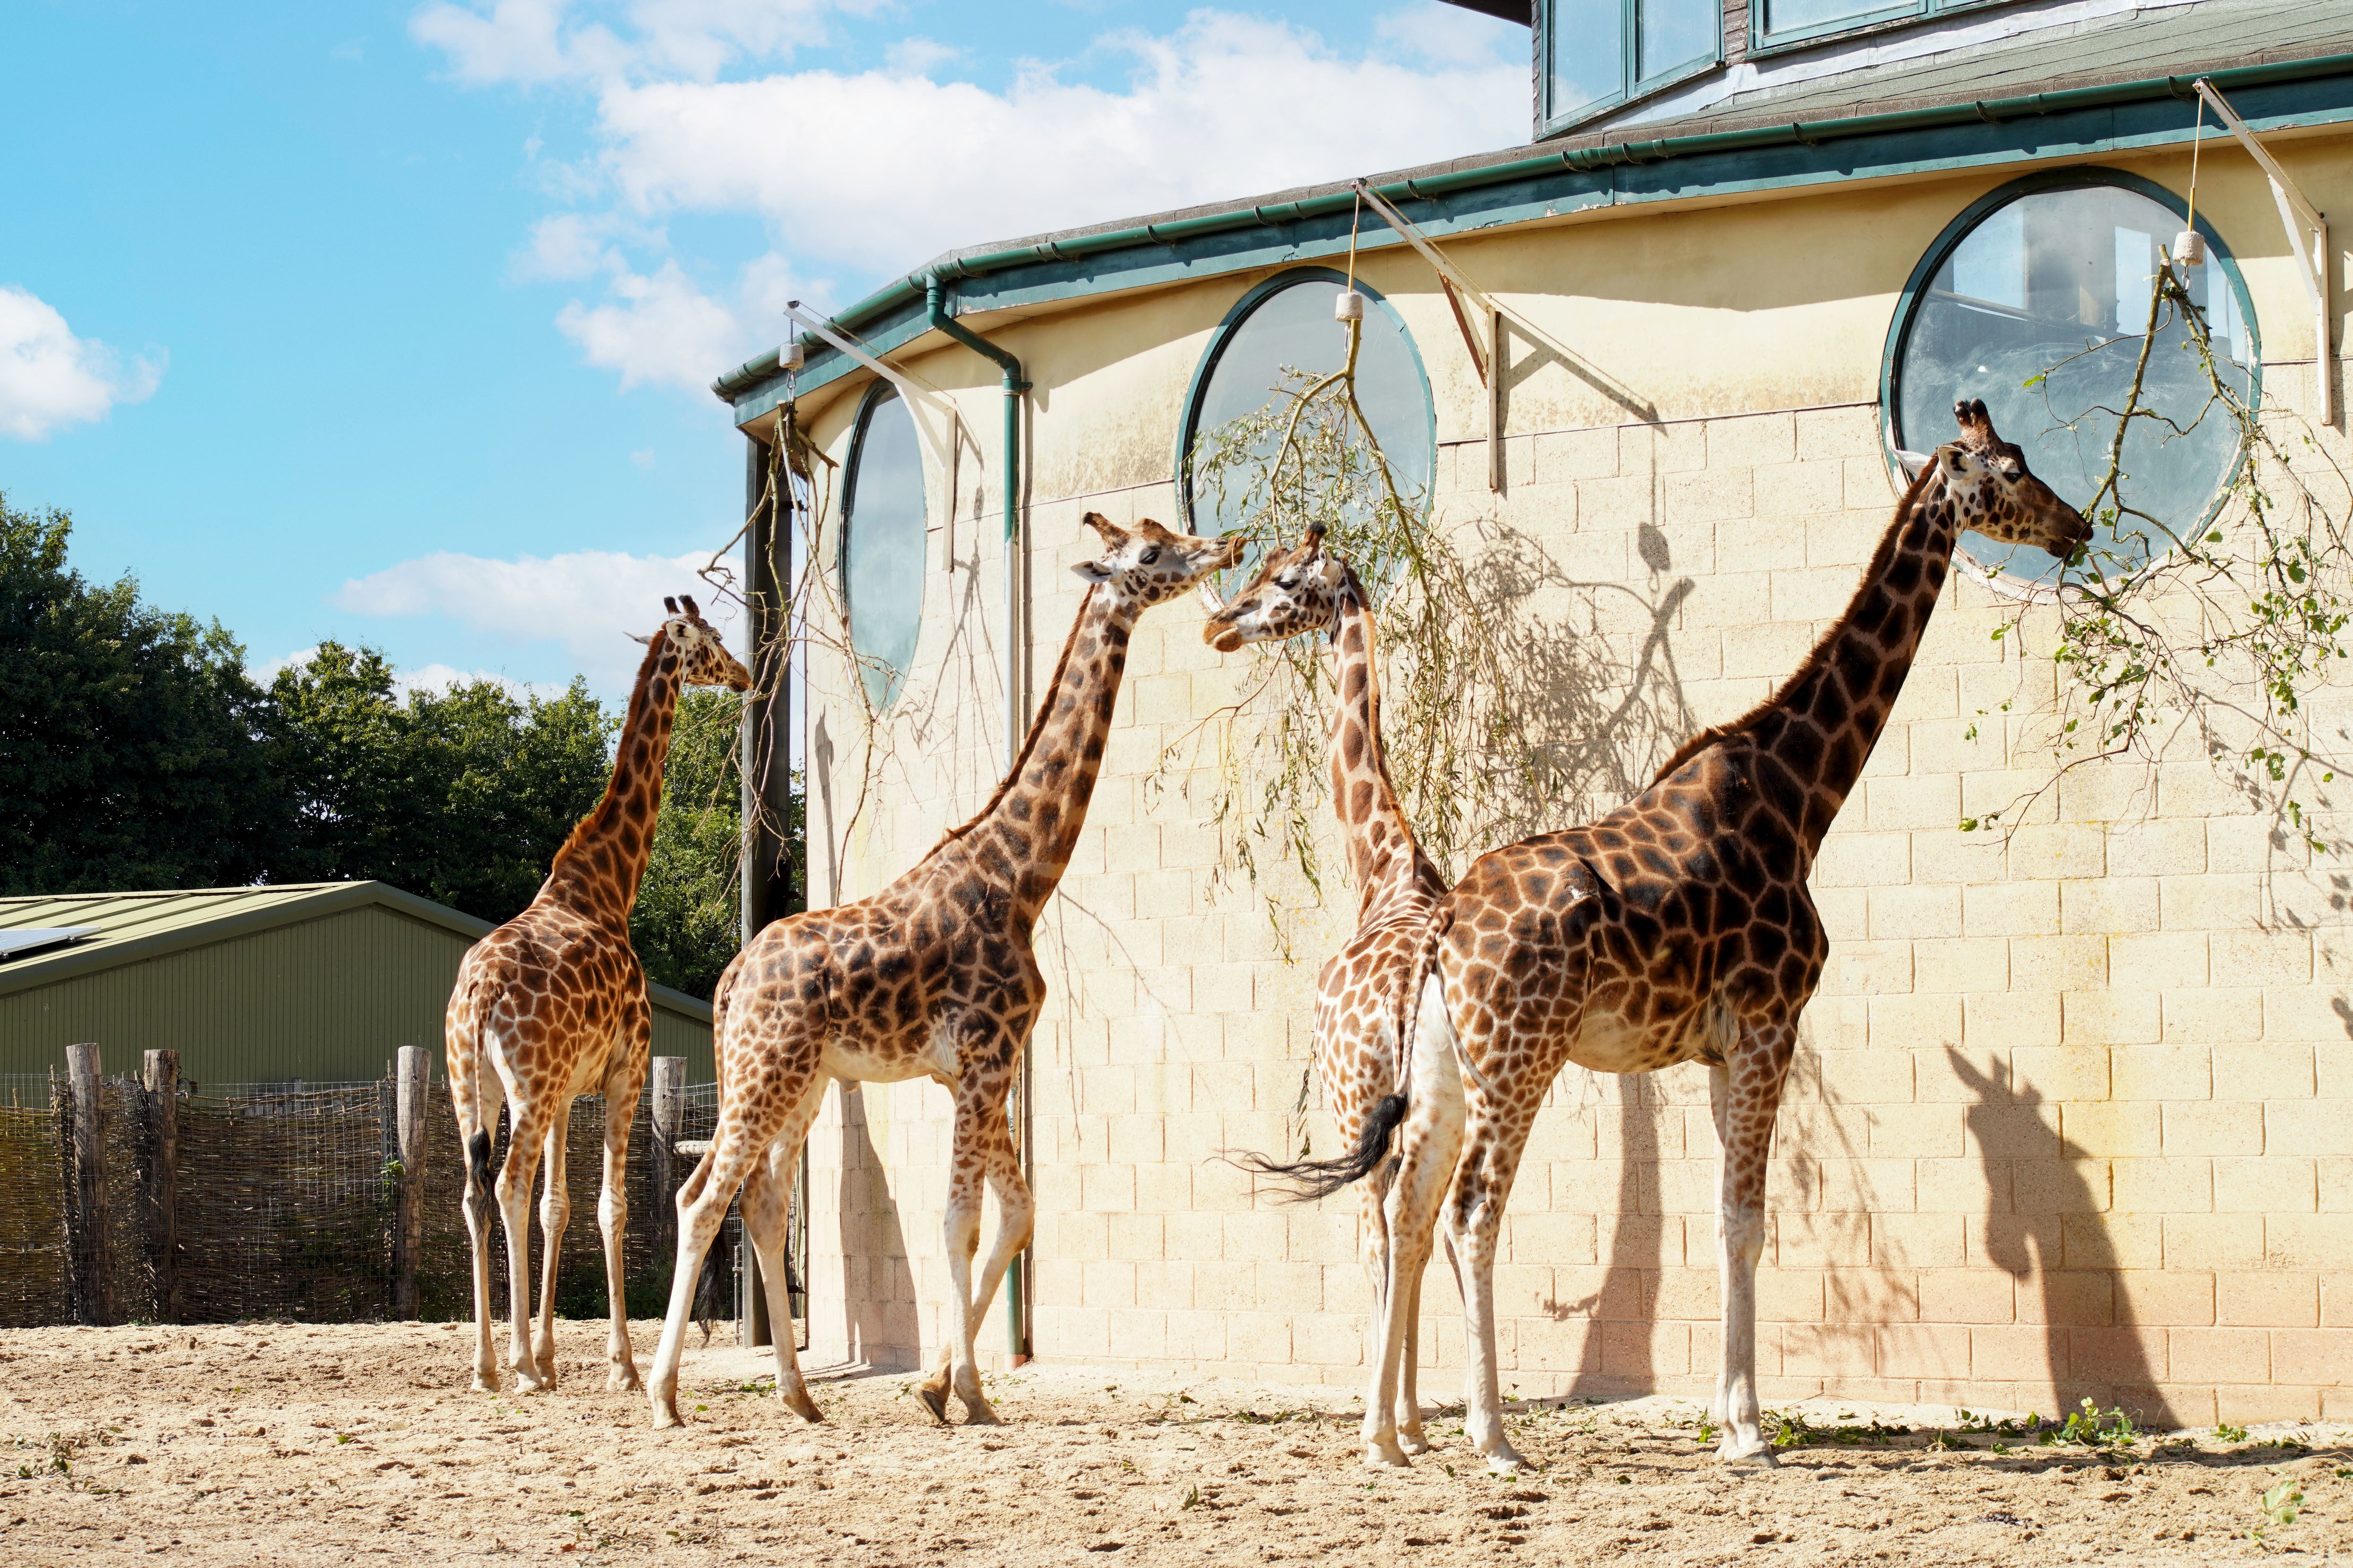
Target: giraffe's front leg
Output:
[(983, 1151), (1475, 1216), (622, 1088), (555, 1219), (1749, 1096)]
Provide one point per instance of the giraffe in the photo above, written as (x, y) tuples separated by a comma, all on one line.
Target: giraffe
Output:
[(1301, 591), (552, 1006), (932, 977), (1677, 928)]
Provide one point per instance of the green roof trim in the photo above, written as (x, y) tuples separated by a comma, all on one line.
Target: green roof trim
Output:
[(2153, 113), (133, 927)]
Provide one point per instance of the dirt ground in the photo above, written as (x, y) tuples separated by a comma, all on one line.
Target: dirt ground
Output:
[(290, 1444)]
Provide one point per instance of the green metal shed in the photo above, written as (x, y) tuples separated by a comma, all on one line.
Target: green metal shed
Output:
[(320, 981)]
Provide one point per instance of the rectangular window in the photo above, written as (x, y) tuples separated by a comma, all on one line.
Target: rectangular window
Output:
[(1599, 54), (1779, 23)]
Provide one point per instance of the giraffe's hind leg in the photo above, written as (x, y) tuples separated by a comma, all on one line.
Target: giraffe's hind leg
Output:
[(983, 1157), (477, 1097), (767, 1220), (527, 1131), (555, 1219), (622, 1087), (1746, 1095)]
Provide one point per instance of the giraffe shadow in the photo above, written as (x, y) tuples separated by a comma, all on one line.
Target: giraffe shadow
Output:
[(2046, 1227), (879, 1316)]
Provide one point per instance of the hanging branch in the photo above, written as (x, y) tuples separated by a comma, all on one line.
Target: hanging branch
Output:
[(2230, 630)]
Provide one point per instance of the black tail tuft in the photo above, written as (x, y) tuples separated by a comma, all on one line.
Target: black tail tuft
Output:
[(1311, 1179), (478, 1156)]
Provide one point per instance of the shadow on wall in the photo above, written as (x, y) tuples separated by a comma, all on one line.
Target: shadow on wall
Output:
[(879, 1315), (2044, 1225)]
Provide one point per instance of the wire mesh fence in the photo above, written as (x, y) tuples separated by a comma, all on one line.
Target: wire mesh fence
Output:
[(218, 1203)]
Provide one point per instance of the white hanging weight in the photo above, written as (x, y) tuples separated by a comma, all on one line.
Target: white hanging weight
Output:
[(1349, 306)]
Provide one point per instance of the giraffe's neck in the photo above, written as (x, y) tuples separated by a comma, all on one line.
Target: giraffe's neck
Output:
[(1822, 724), (1023, 838), (1383, 855), (600, 866)]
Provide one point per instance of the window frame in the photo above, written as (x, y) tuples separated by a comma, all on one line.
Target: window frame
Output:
[(1891, 14), (2082, 176), (876, 395), (1632, 89), (1227, 329)]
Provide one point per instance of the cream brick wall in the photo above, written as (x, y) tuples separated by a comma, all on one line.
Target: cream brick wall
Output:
[(2074, 1110)]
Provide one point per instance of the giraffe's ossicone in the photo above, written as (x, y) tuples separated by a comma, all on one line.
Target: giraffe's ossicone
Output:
[(552, 1005), (932, 977), (1677, 928)]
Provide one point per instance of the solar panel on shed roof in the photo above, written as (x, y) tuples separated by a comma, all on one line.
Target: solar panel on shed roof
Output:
[(33, 939)]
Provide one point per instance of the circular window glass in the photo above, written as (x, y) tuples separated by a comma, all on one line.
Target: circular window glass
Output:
[(2039, 307), (1286, 332), (882, 529)]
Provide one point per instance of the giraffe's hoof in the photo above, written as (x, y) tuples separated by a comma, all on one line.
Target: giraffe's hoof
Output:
[(1386, 1457), (666, 1417), (485, 1382), (1754, 1455), (621, 1380), (1508, 1463), (936, 1400), (981, 1413), (802, 1406), (1414, 1441), (532, 1383)]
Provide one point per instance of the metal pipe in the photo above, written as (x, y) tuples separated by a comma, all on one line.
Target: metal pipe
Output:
[(935, 314)]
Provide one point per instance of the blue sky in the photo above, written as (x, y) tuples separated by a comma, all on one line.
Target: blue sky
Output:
[(391, 324)]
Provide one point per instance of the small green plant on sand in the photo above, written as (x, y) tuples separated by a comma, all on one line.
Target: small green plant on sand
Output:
[(2226, 1433)]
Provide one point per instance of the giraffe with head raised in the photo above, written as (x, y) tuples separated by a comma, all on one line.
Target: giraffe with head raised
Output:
[(932, 977), (1298, 592), (1677, 928), (552, 1005)]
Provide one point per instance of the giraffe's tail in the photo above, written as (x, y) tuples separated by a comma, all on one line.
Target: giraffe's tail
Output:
[(1304, 1181)]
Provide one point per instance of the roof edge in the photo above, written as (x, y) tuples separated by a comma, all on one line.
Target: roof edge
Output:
[(1437, 179)]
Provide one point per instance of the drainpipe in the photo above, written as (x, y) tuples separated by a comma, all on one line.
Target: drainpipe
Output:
[(935, 314)]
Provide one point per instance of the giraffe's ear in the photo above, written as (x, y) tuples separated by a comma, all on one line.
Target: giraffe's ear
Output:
[(669, 605), (1093, 572), (692, 613)]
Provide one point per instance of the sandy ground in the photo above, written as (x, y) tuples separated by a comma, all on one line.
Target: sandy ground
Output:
[(288, 1444)]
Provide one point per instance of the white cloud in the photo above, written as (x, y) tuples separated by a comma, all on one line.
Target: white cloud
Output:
[(876, 172), (590, 602), (888, 170), (435, 677), (50, 379), (658, 328)]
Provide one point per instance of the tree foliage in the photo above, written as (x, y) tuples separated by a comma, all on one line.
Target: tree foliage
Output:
[(136, 752)]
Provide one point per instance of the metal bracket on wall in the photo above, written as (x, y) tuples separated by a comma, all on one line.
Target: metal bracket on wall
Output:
[(1488, 358), (919, 393), (2308, 241)]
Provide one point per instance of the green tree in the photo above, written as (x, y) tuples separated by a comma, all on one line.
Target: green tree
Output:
[(462, 796), (134, 750)]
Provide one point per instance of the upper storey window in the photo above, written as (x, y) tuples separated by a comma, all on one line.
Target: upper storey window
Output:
[(882, 518), (1599, 54), (1773, 23)]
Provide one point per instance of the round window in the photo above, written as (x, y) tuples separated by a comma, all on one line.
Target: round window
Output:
[(2037, 300), (1284, 328), (882, 529)]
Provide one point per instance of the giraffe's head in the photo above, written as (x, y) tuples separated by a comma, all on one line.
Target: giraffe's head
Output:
[(1993, 494), (1152, 566), (704, 658), (1298, 589)]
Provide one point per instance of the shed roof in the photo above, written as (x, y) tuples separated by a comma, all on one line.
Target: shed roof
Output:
[(128, 927)]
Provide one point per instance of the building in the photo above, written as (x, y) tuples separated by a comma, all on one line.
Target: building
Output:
[(2074, 1113), (320, 981)]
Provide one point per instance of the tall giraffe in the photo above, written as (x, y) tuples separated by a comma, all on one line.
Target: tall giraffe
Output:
[(932, 977), (552, 1005), (1677, 928), (1301, 591)]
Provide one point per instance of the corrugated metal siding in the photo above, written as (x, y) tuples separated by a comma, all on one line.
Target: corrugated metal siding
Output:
[(326, 999)]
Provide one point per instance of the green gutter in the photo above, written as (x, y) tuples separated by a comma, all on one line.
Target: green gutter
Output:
[(1810, 133)]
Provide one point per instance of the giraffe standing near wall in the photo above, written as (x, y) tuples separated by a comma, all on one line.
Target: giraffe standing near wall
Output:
[(932, 977), (1678, 928), (1299, 592), (552, 1005)]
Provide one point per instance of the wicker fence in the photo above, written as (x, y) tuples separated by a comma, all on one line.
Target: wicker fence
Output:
[(153, 1199)]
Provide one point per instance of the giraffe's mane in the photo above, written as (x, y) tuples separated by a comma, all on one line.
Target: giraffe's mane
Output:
[(596, 821), (1028, 742), (1872, 573)]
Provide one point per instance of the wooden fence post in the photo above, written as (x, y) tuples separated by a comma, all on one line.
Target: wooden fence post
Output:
[(667, 1122), (160, 1139), (415, 1082), (93, 1270)]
